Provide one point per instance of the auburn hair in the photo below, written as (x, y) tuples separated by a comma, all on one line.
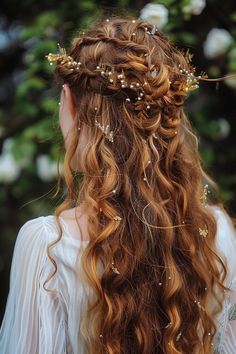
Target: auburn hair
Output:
[(160, 302)]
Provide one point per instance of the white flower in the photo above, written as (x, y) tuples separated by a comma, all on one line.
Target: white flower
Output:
[(7, 145), (9, 169), (7, 148), (194, 7), (46, 168), (224, 128), (156, 14), (217, 42)]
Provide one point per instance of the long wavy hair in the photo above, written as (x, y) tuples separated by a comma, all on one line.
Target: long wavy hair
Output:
[(160, 299)]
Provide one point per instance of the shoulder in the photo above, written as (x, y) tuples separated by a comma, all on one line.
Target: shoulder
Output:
[(225, 228), (225, 238), (40, 224), (34, 232)]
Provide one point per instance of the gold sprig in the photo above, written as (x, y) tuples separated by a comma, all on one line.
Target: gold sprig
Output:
[(203, 232), (64, 59), (105, 129), (204, 195), (192, 81), (187, 55)]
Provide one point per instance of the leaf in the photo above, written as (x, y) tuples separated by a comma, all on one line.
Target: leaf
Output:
[(187, 37), (27, 86)]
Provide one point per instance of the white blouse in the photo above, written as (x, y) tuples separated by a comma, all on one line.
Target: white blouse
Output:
[(39, 322)]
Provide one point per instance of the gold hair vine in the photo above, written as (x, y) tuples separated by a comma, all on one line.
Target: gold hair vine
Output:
[(106, 71)]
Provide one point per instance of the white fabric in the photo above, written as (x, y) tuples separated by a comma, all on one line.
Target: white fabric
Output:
[(38, 322)]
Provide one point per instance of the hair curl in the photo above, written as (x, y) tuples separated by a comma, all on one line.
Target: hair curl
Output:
[(157, 241)]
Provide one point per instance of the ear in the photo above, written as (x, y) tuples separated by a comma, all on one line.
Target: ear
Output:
[(69, 99)]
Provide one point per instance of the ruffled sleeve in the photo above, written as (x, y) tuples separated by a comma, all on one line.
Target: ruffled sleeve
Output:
[(226, 244), (33, 322)]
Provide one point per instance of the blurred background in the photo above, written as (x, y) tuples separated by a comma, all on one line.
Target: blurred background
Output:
[(30, 140)]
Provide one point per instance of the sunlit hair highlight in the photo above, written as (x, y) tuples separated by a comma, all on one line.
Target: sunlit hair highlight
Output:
[(161, 302)]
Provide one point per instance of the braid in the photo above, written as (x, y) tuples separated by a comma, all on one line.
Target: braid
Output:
[(135, 63)]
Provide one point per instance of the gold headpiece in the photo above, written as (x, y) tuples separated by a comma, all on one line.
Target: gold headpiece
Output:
[(118, 79), (192, 81)]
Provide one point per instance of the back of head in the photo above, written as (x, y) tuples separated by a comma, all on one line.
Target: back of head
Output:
[(143, 178)]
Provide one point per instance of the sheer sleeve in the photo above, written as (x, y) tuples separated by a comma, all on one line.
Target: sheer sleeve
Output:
[(226, 242), (33, 322)]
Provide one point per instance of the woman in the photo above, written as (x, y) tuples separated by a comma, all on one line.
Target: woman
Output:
[(136, 258)]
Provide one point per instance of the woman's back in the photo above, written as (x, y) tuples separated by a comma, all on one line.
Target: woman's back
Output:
[(39, 322)]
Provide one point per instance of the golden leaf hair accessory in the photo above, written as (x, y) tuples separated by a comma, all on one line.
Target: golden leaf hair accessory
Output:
[(203, 232), (105, 129)]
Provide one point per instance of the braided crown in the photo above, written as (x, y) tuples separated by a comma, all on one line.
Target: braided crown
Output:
[(118, 77), (137, 92)]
